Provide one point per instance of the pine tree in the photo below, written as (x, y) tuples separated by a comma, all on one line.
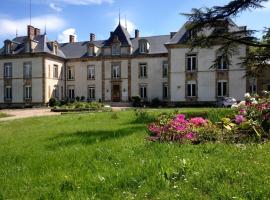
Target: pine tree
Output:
[(218, 19)]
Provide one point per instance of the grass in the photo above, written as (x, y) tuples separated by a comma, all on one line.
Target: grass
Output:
[(2, 115), (106, 156)]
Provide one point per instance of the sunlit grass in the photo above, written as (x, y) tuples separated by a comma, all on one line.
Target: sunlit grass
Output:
[(106, 156)]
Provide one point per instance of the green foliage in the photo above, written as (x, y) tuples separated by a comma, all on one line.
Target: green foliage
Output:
[(81, 106), (136, 101), (156, 102), (142, 116), (52, 102), (91, 156)]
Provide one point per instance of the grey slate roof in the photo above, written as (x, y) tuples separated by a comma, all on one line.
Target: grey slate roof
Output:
[(79, 49), (43, 45), (156, 44), (123, 36)]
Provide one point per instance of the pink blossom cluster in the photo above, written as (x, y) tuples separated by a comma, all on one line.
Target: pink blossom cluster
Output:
[(176, 129)]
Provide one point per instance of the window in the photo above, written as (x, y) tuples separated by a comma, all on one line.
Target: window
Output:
[(143, 91), (55, 49), (116, 72), (143, 46), (27, 70), (8, 48), (191, 62), (27, 92), (253, 85), (91, 72), (222, 63), (55, 71), (8, 70), (165, 70), (90, 51), (116, 49), (143, 70), (56, 92), (91, 92), (8, 92), (191, 89), (70, 73), (222, 88), (71, 92), (165, 91)]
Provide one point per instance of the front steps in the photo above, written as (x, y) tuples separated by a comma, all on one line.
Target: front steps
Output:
[(119, 104)]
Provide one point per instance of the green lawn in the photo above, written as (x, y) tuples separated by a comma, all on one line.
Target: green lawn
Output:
[(2, 115), (103, 156)]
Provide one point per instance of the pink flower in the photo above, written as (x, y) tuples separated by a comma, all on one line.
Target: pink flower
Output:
[(153, 128), (198, 121), (243, 112), (239, 119), (181, 128), (180, 118), (190, 136)]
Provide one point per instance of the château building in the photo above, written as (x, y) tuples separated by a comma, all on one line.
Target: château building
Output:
[(35, 69)]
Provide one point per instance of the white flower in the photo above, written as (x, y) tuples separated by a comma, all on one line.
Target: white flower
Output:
[(242, 103), (234, 106), (247, 95), (254, 102)]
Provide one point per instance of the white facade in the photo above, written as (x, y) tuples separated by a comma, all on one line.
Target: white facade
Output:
[(97, 71)]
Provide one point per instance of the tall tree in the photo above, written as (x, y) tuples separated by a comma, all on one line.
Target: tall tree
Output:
[(218, 19)]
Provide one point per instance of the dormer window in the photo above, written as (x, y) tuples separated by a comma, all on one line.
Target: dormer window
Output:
[(116, 49), (90, 51), (8, 47), (55, 49), (143, 46)]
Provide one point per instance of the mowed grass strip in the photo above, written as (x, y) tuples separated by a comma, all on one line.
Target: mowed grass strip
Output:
[(106, 156)]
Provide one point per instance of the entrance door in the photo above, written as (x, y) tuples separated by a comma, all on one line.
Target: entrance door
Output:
[(116, 93)]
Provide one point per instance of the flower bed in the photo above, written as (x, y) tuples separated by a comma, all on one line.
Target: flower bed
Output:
[(250, 121), (82, 107)]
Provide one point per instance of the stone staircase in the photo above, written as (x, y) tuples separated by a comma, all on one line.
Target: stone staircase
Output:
[(119, 104)]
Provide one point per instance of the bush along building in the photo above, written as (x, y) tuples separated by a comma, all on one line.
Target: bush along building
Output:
[(35, 69)]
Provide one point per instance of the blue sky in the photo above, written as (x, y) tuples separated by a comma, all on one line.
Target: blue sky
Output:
[(80, 17)]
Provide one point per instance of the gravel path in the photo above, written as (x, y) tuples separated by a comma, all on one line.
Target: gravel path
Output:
[(25, 113)]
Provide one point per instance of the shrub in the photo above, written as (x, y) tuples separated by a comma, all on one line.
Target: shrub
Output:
[(52, 102), (77, 98), (82, 98), (136, 101), (181, 129), (156, 102)]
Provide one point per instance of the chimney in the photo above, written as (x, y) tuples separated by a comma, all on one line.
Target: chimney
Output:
[(37, 31), (172, 34), (30, 32), (71, 38), (137, 33), (92, 37), (111, 33)]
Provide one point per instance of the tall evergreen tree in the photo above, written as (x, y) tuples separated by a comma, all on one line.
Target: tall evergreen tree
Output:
[(218, 19)]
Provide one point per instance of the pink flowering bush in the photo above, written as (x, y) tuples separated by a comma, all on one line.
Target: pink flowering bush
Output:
[(178, 128), (252, 120)]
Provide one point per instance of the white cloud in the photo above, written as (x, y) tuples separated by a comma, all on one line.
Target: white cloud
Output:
[(9, 26), (55, 7), (266, 5), (130, 25), (84, 2), (64, 36)]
